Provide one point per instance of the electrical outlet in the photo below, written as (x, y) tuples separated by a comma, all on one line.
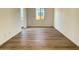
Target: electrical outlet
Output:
[(9, 32)]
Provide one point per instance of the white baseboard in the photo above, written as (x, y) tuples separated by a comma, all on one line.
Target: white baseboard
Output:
[(70, 38), (8, 38)]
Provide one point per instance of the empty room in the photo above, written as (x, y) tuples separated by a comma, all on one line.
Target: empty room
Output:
[(39, 28)]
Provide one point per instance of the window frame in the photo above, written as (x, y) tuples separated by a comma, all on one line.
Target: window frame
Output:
[(40, 13)]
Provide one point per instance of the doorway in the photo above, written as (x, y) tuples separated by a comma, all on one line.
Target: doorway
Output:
[(23, 18), (40, 17)]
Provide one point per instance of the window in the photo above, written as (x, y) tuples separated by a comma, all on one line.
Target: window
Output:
[(39, 13)]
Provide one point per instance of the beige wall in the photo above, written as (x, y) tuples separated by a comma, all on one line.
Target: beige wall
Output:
[(9, 23), (49, 17), (67, 22)]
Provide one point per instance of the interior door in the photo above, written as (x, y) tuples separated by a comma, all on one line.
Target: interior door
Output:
[(40, 16)]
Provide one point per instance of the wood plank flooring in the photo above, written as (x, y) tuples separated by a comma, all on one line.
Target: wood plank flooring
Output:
[(39, 39)]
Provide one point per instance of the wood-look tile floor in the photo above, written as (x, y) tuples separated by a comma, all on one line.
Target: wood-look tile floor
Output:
[(39, 39)]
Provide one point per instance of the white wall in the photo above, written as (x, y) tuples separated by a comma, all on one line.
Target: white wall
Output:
[(49, 17), (10, 23), (67, 22)]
